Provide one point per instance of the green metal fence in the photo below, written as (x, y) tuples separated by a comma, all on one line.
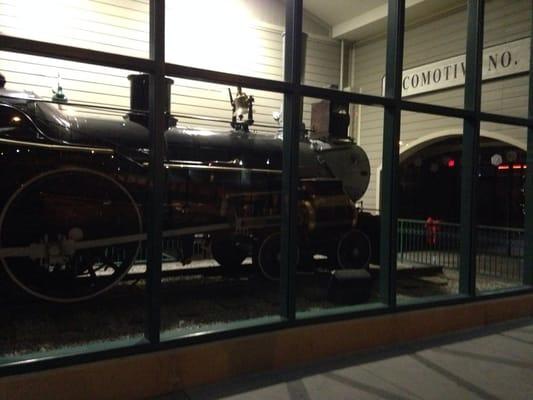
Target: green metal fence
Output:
[(499, 250)]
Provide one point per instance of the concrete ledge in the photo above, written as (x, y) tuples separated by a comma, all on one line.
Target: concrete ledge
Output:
[(139, 377)]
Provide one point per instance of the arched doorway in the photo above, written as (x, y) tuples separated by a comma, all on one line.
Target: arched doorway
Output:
[(430, 182)]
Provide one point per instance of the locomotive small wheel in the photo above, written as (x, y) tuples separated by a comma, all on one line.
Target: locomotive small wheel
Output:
[(269, 256), (353, 250), (64, 206), (228, 252)]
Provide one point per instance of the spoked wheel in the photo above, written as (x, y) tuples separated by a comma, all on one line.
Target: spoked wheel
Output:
[(72, 229), (269, 256), (228, 252), (353, 250)]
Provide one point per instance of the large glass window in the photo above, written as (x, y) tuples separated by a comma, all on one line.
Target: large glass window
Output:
[(236, 36), (434, 53), (506, 55), (110, 26), (71, 222), (222, 208), (99, 169), (501, 208), (345, 45), (429, 206), (338, 243)]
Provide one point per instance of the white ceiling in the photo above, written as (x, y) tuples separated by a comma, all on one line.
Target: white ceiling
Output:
[(334, 12), (360, 19)]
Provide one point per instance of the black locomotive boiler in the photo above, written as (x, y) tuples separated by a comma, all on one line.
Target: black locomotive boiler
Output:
[(73, 192)]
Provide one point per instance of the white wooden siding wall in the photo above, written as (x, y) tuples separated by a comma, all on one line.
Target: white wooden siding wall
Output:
[(505, 20), (121, 26), (198, 98), (118, 26)]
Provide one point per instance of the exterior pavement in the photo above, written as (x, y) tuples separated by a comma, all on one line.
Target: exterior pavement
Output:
[(495, 362)]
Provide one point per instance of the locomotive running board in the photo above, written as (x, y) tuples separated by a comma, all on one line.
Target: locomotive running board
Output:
[(41, 250)]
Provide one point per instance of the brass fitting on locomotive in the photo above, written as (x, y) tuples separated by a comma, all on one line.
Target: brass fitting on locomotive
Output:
[(324, 205)]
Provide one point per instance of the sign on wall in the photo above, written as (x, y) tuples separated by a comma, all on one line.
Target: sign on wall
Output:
[(498, 61)]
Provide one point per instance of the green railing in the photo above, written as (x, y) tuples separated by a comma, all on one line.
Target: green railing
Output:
[(499, 250)]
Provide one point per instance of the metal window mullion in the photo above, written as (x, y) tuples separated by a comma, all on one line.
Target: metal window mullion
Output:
[(505, 119), (434, 109), (156, 171), (391, 139), (343, 97), (527, 276), (292, 110), (224, 78), (72, 53), (471, 127)]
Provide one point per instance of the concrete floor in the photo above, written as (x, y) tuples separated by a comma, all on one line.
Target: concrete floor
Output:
[(489, 363)]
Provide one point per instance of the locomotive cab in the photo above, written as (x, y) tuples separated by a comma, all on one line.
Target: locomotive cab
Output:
[(15, 125)]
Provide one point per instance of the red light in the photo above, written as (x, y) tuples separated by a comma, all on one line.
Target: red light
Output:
[(451, 163), (503, 166), (517, 166)]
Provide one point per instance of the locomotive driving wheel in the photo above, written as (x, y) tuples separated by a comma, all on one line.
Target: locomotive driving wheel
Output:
[(75, 220), (353, 250)]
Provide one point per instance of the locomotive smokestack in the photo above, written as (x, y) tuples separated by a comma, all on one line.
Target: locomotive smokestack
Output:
[(139, 92)]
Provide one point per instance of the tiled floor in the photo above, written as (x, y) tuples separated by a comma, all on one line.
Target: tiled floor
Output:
[(490, 363)]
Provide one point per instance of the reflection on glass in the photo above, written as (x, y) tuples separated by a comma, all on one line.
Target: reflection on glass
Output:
[(506, 56), (337, 243), (247, 38), (222, 211), (206, 107), (65, 81), (236, 36), (346, 45), (429, 206), (120, 27), (434, 53), (501, 208), (71, 223)]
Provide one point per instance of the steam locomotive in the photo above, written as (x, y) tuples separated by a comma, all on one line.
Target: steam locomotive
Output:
[(74, 190)]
